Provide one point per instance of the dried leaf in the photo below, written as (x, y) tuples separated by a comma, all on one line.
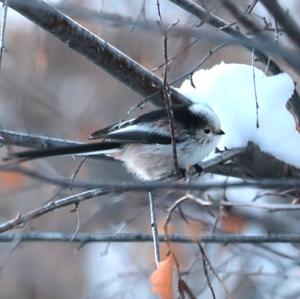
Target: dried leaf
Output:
[(11, 180), (162, 279), (233, 224)]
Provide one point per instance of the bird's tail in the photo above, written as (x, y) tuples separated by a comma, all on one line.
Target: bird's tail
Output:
[(81, 149)]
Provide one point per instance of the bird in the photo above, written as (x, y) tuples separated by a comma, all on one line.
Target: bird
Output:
[(144, 143)]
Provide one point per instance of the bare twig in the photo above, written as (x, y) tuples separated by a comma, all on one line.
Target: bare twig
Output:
[(153, 222), (264, 47), (251, 6), (2, 31), (172, 59), (202, 61), (96, 50), (242, 17), (166, 92), (49, 207), (204, 263), (255, 90), (207, 262), (220, 24), (136, 237), (285, 20)]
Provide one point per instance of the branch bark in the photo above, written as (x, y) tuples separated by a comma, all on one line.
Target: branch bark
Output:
[(140, 238)]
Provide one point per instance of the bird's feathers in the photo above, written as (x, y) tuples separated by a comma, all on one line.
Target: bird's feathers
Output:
[(68, 150), (150, 128), (153, 127)]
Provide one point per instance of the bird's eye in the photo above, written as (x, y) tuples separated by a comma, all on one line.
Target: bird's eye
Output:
[(207, 131)]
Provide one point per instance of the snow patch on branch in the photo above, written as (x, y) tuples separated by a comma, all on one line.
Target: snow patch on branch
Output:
[(229, 90)]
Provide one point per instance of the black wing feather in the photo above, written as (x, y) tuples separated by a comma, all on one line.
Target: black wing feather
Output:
[(182, 114), (66, 150)]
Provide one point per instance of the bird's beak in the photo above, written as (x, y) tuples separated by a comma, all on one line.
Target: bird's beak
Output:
[(219, 132)]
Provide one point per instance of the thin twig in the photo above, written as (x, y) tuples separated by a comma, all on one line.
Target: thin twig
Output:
[(153, 223), (251, 6), (96, 49), (49, 207), (286, 21), (255, 90), (242, 18), (204, 263), (172, 59), (2, 31), (202, 61), (213, 270), (166, 92), (220, 24)]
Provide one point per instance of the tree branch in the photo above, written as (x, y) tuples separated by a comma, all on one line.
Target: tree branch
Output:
[(119, 20), (288, 24), (225, 27), (121, 66), (139, 238), (51, 206), (248, 162), (158, 185), (97, 50)]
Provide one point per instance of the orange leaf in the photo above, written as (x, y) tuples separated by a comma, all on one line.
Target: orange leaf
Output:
[(11, 180), (233, 223), (162, 279)]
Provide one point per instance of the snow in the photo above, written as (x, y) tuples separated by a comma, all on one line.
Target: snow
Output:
[(229, 90)]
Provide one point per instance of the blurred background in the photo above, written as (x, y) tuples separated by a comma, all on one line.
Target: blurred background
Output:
[(47, 89)]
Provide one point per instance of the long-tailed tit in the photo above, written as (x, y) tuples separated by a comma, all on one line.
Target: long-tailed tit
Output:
[(144, 143)]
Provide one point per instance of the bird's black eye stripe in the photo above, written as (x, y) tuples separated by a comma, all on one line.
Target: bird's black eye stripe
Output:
[(207, 131)]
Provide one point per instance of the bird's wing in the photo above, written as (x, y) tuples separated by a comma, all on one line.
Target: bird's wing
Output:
[(140, 134), (147, 129)]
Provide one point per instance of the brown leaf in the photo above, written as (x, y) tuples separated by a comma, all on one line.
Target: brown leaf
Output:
[(233, 223), (11, 180), (162, 279)]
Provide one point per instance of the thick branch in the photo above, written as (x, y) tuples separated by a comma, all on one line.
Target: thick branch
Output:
[(95, 49), (139, 238)]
